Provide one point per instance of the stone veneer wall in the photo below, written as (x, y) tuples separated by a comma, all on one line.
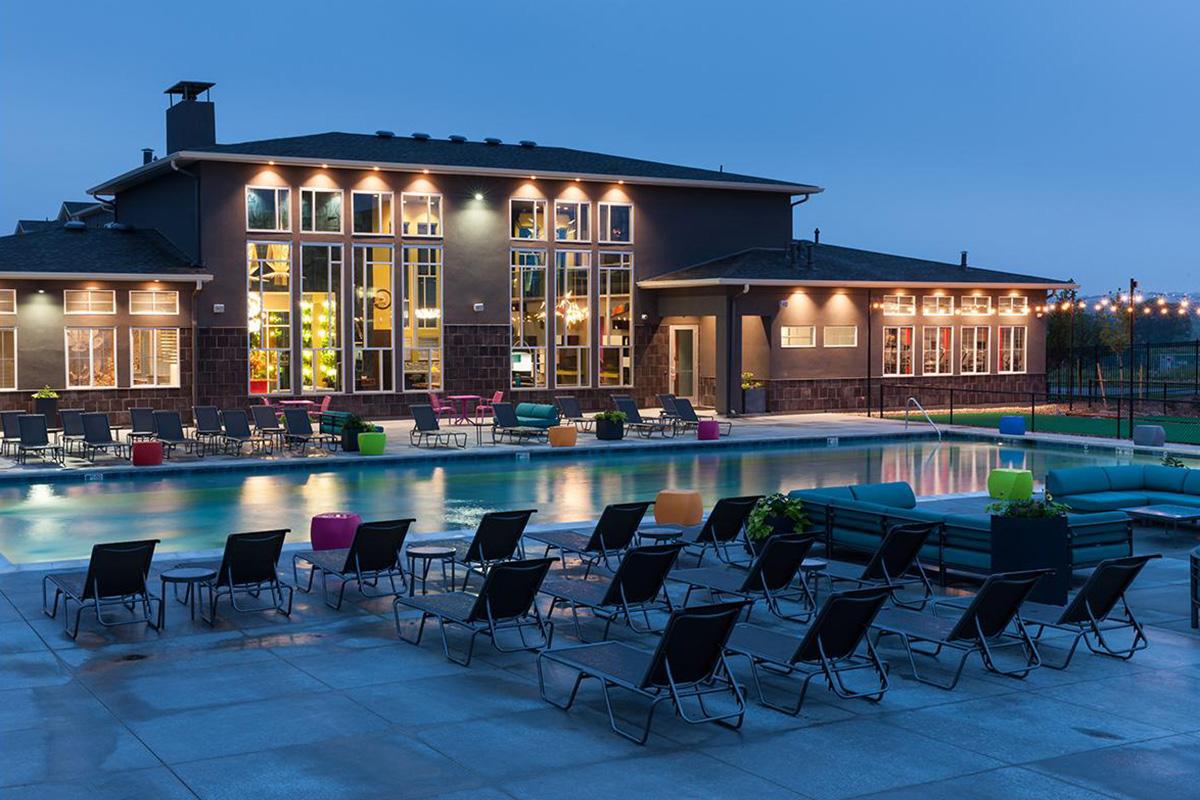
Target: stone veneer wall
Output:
[(850, 394)]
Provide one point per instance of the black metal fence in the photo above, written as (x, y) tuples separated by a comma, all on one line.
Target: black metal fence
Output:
[(1145, 369)]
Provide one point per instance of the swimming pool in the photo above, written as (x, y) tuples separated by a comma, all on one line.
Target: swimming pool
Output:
[(193, 512)]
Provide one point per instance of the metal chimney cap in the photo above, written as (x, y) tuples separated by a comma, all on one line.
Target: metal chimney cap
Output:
[(457, 138), (492, 140), (189, 90), (420, 137), (527, 143), (385, 134)]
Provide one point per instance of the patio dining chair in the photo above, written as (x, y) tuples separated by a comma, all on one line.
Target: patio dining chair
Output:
[(116, 576), (774, 576), (633, 419), (487, 407), (440, 409), (427, 431), (614, 532), (375, 553), (497, 538), (572, 412), (248, 566), (35, 439), (98, 438)]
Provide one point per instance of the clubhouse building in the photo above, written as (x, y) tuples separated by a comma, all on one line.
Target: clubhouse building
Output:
[(380, 267)]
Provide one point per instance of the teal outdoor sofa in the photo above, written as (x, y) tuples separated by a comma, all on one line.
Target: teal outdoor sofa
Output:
[(1114, 488), (856, 518), (537, 415)]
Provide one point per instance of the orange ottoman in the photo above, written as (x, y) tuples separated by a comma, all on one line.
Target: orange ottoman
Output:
[(678, 507), (563, 436)]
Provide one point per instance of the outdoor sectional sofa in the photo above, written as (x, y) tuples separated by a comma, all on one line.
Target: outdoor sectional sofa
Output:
[(537, 415), (856, 518), (1114, 488)]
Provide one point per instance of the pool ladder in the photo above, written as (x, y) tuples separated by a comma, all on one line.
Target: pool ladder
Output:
[(912, 401)]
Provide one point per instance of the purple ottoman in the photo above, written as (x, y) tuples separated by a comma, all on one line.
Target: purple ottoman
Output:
[(333, 530), (707, 430)]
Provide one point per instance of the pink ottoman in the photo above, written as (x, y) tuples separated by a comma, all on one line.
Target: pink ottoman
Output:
[(333, 530), (708, 429)]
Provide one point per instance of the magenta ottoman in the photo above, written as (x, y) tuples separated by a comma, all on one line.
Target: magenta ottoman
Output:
[(333, 530), (707, 430)]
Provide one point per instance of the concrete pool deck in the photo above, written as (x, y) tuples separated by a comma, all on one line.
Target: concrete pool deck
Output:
[(331, 704)]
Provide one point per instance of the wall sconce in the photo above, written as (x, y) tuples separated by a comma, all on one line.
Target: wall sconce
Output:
[(478, 306), (41, 291), (645, 317), (479, 195), (783, 303)]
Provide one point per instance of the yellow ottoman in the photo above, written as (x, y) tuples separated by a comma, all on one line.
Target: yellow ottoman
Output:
[(1010, 484), (563, 436), (678, 507)]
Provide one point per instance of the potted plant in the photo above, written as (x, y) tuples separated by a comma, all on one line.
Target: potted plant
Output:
[(45, 401), (754, 395), (352, 426), (1033, 534), (610, 425), (772, 515)]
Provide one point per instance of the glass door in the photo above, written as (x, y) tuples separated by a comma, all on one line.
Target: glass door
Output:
[(683, 360)]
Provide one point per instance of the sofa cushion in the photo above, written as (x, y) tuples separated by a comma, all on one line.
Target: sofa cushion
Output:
[(1163, 479), (1076, 480), (1125, 479), (1191, 481), (1103, 501), (1172, 499), (824, 493), (538, 415), (897, 494)]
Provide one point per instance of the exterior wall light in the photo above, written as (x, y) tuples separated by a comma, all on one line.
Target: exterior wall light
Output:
[(479, 195), (478, 306), (783, 303), (41, 291), (645, 317)]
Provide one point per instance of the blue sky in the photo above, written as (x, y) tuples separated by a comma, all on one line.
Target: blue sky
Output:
[(1050, 137)]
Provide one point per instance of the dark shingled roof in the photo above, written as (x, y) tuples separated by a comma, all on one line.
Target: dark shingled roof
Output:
[(833, 263), (93, 250), (336, 146), (29, 225), (72, 207)]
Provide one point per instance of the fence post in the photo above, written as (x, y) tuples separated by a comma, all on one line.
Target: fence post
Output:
[(881, 400), (1164, 392), (1033, 412), (1196, 367), (951, 405), (1119, 416)]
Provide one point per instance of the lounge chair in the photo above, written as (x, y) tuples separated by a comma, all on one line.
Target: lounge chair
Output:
[(11, 422), (208, 426), (687, 419), (426, 430), (687, 666), (983, 627), (635, 588), (829, 648), (98, 438), (237, 434), (634, 421), (35, 439), (267, 424), (572, 412), (667, 403), (505, 423), (300, 433), (249, 565), (504, 603), (497, 538), (614, 532), (116, 576), (894, 564), (141, 425), (774, 576), (721, 528), (169, 432), (376, 552), (72, 429)]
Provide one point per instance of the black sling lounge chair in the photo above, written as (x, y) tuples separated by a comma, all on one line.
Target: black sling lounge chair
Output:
[(614, 532), (11, 422), (774, 576), (687, 419), (248, 566), (505, 423), (895, 564), (116, 576), (141, 425), (829, 648), (300, 433), (237, 434), (375, 553), (267, 424), (687, 666), (721, 528), (983, 627), (35, 438), (497, 538), (72, 429), (635, 588), (98, 438), (634, 421), (572, 412), (505, 603), (426, 430), (667, 402), (169, 431), (208, 426)]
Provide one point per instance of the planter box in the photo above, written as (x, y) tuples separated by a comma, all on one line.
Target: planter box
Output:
[(609, 430), (754, 401), (350, 441), (779, 525), (1019, 543), (49, 407)]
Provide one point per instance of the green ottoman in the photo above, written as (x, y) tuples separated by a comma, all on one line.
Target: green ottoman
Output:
[(372, 443), (1010, 484)]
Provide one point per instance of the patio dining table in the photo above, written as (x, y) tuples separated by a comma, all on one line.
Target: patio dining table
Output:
[(460, 401)]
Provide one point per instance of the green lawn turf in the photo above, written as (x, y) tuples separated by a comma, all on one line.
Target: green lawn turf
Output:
[(1181, 430)]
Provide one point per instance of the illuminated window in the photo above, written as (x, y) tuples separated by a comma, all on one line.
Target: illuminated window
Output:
[(320, 317), (269, 317), (936, 353), (1010, 306), (153, 302), (154, 356), (421, 215), (974, 341), (528, 315), (89, 301), (899, 305), (840, 336), (422, 318), (975, 305), (898, 350), (616, 319), (527, 219), (373, 328), (267, 208), (791, 336), (8, 301), (571, 221), (91, 358), (1012, 348), (321, 210), (937, 305), (371, 213), (616, 223), (572, 318), (8, 358)]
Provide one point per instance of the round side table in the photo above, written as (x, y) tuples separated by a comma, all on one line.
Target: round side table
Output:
[(427, 554), (191, 578), (811, 570), (658, 534)]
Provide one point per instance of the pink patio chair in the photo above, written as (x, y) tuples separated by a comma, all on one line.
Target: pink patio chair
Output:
[(321, 409), (440, 408), (488, 407)]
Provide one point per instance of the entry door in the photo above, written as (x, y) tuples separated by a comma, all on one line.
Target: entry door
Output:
[(684, 354)]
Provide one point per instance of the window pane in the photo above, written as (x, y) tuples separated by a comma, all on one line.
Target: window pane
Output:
[(266, 209), (528, 313), (320, 317), (321, 210), (571, 221), (422, 318), (153, 302), (8, 358), (840, 336), (528, 219), (155, 356), (572, 318), (372, 212), (935, 349), (90, 301), (8, 301), (797, 336), (616, 319), (616, 222), (421, 214), (269, 317), (373, 311), (91, 357)]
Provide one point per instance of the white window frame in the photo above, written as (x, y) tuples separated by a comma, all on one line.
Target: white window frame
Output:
[(884, 371), (313, 208), (16, 359), (936, 300), (583, 352), (604, 297), (583, 212), (338, 289), (937, 346), (381, 219), (91, 357), (430, 198), (155, 330), (405, 289), (157, 294), (1015, 308), (286, 190), (545, 218), (90, 312), (293, 318), (355, 288), (786, 338), (825, 336), (1000, 370), (13, 294), (966, 303), (604, 212), (536, 354), (974, 341), (894, 305)]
